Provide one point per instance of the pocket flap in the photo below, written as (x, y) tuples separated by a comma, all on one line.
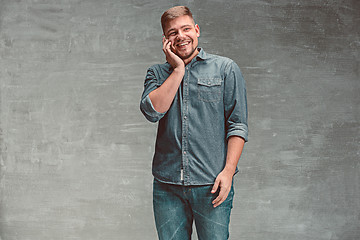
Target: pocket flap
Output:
[(209, 81)]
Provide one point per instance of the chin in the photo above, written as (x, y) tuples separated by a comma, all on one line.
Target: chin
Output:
[(186, 55)]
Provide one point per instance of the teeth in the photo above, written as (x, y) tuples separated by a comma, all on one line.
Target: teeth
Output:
[(183, 44)]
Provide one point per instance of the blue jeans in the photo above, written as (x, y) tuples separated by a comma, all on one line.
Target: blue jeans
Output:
[(176, 207)]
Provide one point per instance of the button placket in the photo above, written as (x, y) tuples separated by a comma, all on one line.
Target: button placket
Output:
[(185, 107)]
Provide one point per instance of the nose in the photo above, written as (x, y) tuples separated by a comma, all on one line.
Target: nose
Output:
[(180, 35)]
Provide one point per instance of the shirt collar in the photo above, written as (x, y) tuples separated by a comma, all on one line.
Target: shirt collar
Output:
[(202, 54)]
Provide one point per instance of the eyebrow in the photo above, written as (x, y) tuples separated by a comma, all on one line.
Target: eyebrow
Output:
[(172, 29)]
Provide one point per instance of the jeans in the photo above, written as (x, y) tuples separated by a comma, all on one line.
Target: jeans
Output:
[(176, 207)]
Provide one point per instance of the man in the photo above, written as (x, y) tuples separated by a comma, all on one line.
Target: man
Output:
[(199, 100)]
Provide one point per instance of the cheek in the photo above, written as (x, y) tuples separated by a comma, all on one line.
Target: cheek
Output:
[(194, 37)]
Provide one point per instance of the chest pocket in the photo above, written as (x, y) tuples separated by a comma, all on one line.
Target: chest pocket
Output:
[(209, 89)]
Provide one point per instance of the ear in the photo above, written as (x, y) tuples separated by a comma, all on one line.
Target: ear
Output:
[(197, 29)]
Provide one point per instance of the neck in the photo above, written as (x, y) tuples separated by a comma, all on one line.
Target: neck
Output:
[(188, 60)]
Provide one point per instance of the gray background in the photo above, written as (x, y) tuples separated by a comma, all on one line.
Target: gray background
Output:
[(76, 151)]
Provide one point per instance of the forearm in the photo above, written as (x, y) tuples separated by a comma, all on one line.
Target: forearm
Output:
[(224, 179), (235, 148), (163, 96)]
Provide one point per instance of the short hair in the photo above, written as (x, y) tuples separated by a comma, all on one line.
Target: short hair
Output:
[(173, 13)]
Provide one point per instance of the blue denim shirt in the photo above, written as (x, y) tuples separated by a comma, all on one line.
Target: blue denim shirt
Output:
[(209, 107)]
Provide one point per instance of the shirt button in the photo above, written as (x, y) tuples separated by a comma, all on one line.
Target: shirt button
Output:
[(185, 117)]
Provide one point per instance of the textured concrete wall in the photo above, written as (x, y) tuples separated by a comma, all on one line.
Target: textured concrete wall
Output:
[(76, 152)]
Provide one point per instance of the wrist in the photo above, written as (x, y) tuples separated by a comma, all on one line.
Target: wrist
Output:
[(230, 169), (179, 70)]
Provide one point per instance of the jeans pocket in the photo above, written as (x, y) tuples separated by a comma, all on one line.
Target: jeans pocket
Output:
[(209, 89)]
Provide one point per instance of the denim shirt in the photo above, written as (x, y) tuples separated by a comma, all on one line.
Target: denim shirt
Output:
[(209, 107)]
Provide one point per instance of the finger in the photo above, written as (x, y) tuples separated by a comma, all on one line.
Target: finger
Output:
[(221, 198), (164, 43), (215, 187), (168, 44), (168, 51), (217, 202), (172, 45)]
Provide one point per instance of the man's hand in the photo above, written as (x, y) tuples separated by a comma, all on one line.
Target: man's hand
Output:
[(163, 96), (174, 60), (222, 181)]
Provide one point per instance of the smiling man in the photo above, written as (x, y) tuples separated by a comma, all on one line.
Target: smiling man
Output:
[(199, 100)]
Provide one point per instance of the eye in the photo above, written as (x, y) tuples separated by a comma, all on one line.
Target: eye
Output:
[(172, 34), (187, 29)]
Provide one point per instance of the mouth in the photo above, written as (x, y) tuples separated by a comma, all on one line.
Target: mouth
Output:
[(183, 44)]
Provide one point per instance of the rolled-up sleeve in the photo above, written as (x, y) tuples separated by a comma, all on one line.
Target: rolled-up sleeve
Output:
[(235, 102), (146, 106)]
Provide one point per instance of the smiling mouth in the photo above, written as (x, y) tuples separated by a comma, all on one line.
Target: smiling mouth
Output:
[(183, 44)]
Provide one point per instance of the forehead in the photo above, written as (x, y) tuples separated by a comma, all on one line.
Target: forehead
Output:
[(178, 22)]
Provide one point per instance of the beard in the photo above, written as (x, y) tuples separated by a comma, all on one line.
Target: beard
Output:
[(188, 55)]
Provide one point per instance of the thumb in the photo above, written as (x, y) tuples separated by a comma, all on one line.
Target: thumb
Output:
[(215, 187)]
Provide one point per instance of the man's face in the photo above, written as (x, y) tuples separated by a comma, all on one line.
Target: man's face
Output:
[(183, 35)]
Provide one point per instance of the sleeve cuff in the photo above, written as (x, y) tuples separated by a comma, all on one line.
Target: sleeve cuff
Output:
[(149, 111), (238, 129)]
